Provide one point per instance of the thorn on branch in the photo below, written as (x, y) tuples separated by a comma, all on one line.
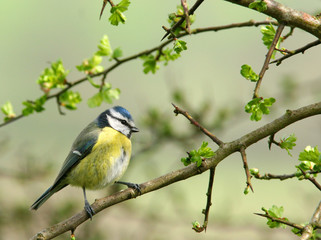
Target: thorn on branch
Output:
[(59, 104), (176, 25), (272, 141)]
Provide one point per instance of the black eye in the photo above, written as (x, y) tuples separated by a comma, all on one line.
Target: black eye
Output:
[(123, 122)]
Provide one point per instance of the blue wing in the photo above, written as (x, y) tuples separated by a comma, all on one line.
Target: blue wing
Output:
[(80, 149)]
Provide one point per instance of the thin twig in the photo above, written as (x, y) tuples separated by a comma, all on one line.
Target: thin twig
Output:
[(246, 168), (267, 59), (297, 51), (176, 25), (270, 176), (279, 220), (311, 179), (209, 197), (195, 123)]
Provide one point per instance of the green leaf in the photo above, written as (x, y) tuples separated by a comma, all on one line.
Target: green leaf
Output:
[(168, 55), (288, 143), (259, 106), (95, 101), (179, 46), (259, 5), (173, 18), (150, 64), (104, 47), (196, 156), (107, 94), (7, 110), (31, 106), (276, 212), (117, 15), (311, 155), (70, 99), (91, 66), (248, 73), (53, 77), (117, 53), (268, 36)]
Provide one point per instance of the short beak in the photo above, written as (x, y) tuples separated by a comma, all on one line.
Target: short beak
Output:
[(135, 129)]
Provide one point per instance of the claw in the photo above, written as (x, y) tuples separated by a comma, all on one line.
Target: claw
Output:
[(135, 186), (90, 211)]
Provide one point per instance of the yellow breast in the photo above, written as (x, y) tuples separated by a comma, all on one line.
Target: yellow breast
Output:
[(105, 164)]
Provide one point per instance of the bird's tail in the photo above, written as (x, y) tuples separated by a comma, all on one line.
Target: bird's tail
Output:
[(45, 196)]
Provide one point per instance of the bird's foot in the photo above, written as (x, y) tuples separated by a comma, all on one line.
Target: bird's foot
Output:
[(90, 211), (135, 186)]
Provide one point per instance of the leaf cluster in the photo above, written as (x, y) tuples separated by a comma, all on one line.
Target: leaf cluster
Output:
[(117, 12), (310, 160), (248, 73), (275, 212), (173, 18), (259, 106), (268, 33), (196, 156), (288, 143)]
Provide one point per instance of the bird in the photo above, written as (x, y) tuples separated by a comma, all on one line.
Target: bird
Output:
[(98, 157)]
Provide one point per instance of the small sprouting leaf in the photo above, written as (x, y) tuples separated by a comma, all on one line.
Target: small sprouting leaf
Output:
[(104, 47), (259, 5), (91, 66), (288, 143), (179, 46), (107, 94), (53, 77), (275, 212), (7, 110), (254, 171), (95, 101), (70, 99), (150, 64), (248, 73), (259, 106), (31, 106), (268, 36), (196, 156), (311, 155), (117, 15), (117, 53)]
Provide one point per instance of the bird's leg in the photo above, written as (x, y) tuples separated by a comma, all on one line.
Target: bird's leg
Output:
[(135, 186), (90, 211)]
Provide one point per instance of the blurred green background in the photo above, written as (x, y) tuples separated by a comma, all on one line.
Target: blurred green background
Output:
[(35, 33)]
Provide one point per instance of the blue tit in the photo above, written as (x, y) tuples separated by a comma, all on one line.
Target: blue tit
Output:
[(98, 157)]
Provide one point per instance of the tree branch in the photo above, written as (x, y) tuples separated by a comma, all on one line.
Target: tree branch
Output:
[(308, 229), (119, 62), (222, 152), (297, 51), (288, 16)]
